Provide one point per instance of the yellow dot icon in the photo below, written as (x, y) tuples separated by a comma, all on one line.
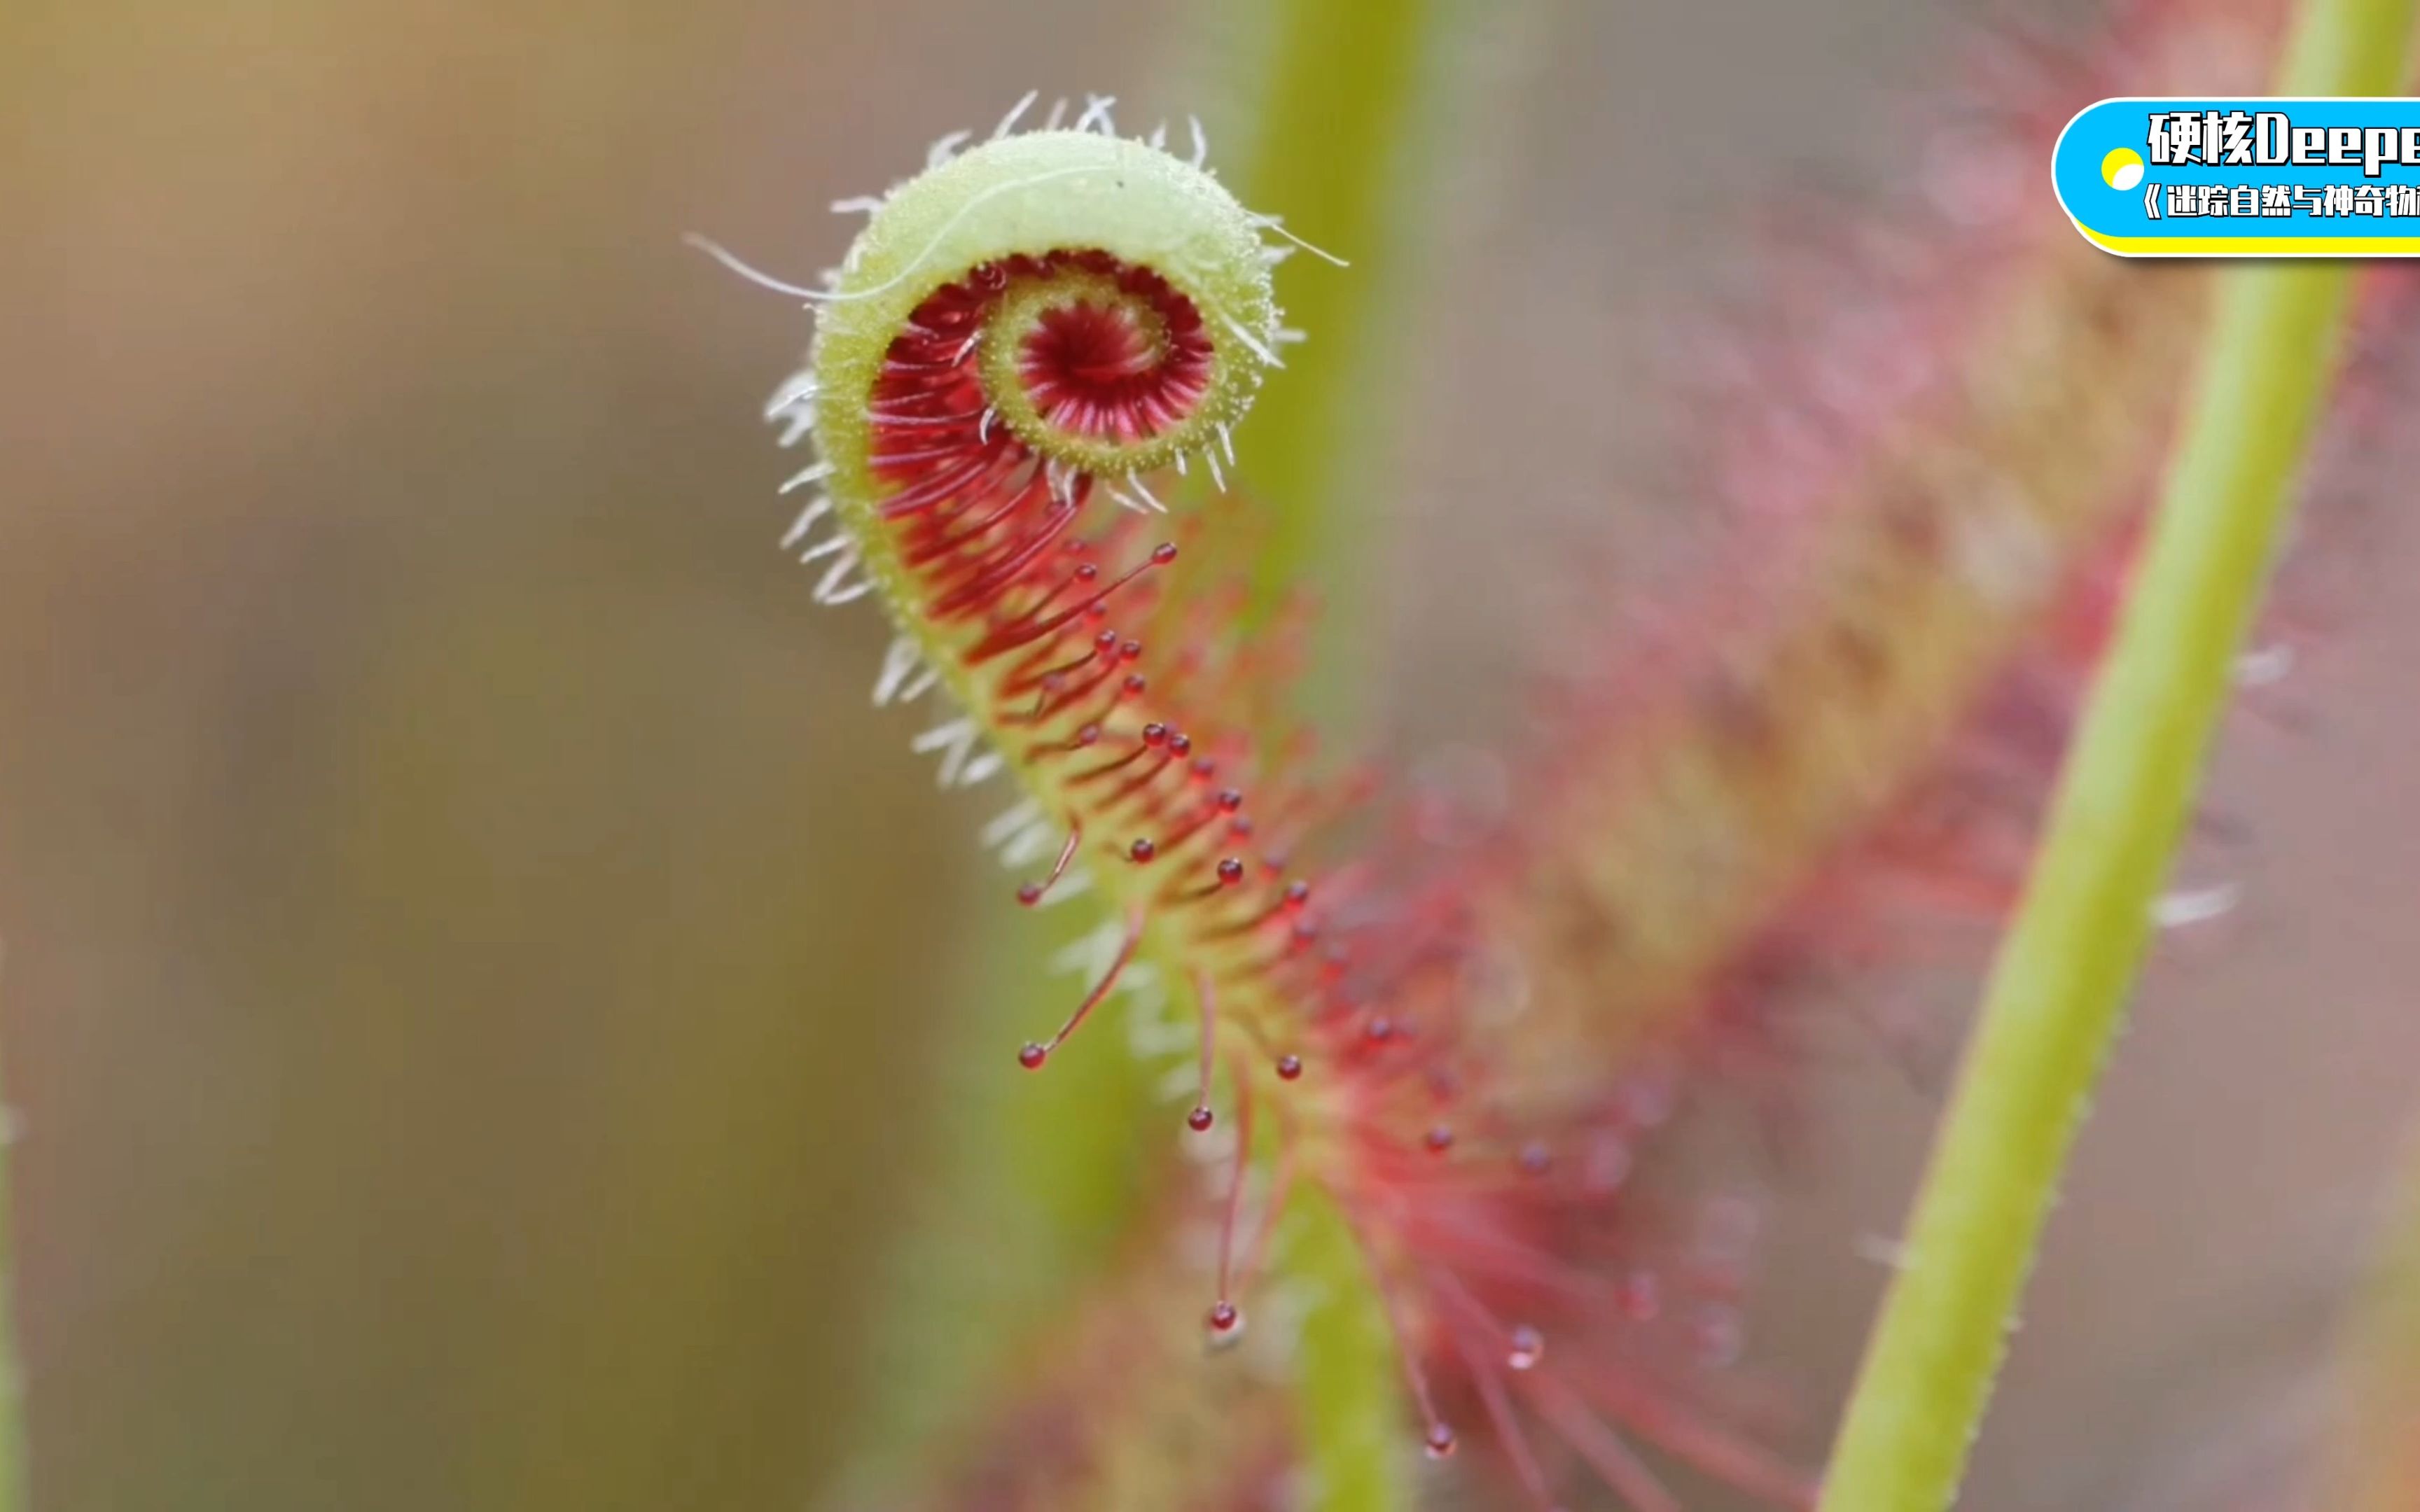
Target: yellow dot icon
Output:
[(2122, 169)]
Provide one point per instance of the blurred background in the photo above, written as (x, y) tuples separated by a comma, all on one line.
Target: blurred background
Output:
[(482, 987)]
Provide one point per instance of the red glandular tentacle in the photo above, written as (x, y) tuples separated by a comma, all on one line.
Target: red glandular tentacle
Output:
[(979, 515)]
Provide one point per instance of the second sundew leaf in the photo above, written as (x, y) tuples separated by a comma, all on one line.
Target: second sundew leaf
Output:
[(1993, 412)]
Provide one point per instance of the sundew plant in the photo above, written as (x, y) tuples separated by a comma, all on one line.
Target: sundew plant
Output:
[(1993, 531)]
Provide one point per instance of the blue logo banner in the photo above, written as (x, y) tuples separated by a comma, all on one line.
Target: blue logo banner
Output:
[(2244, 178)]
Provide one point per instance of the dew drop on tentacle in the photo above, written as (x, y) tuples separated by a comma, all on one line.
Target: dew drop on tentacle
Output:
[(1524, 1348)]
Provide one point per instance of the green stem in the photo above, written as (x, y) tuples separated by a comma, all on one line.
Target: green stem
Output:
[(1328, 155), (2059, 987), (1351, 1396)]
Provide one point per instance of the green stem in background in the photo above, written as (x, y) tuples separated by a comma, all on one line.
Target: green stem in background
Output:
[(1354, 1428), (1329, 156), (2374, 1463), (2058, 990)]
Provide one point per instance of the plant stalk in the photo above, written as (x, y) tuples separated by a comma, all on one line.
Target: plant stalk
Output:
[(1327, 156)]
